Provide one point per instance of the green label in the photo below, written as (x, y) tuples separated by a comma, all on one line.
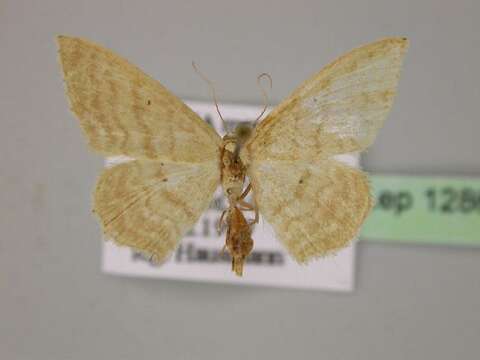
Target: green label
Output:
[(438, 210)]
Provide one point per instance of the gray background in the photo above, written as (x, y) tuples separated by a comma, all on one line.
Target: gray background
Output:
[(415, 302)]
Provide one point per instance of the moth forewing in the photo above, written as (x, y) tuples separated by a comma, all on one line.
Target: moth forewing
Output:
[(339, 110), (123, 111)]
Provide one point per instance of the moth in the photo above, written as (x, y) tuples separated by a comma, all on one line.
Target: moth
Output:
[(314, 203)]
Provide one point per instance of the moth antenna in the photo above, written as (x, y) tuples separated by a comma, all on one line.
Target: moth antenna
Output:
[(212, 92), (264, 94)]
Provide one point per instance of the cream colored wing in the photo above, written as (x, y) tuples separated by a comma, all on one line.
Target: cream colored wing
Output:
[(124, 112), (337, 111), (314, 208), (316, 204), (149, 205)]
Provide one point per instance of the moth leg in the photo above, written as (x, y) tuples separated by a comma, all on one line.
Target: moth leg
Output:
[(245, 192), (257, 215), (220, 222), (245, 205), (250, 207), (255, 208), (222, 252)]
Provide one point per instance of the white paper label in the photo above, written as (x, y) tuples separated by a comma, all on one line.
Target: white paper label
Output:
[(199, 255)]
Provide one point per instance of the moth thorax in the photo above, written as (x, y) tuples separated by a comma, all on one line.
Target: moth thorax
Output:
[(233, 173)]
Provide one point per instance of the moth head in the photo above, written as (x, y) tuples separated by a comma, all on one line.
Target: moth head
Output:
[(242, 132)]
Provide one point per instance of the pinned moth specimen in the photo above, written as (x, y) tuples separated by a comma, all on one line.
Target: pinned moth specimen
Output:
[(315, 203)]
